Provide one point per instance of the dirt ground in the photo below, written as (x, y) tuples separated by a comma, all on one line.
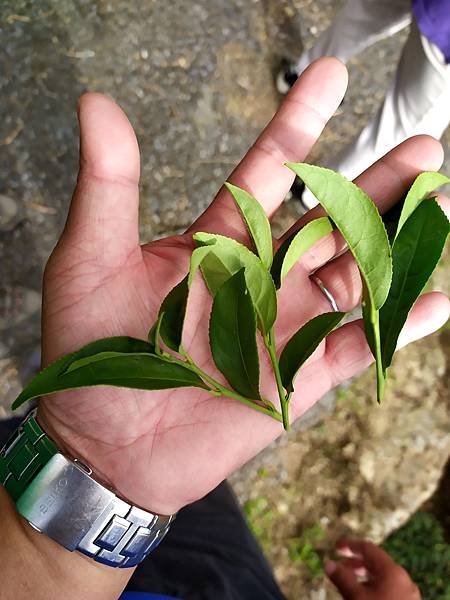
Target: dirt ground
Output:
[(196, 80)]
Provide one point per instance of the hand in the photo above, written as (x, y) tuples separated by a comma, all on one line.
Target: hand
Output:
[(385, 580), (163, 450)]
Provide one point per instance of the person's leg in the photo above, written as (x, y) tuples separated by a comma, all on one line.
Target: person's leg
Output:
[(209, 554), (358, 25), (417, 102)]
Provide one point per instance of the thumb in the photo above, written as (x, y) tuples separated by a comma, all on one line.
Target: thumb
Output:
[(103, 217)]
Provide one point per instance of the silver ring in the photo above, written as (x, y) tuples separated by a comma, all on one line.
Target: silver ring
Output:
[(328, 295)]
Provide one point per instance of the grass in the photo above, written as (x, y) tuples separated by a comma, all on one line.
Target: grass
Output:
[(420, 547)]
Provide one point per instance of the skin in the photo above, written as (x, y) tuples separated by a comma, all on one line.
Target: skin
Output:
[(154, 447), (383, 578)]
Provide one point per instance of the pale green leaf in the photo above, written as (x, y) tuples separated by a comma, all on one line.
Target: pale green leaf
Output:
[(229, 258), (257, 222), (296, 245), (424, 184)]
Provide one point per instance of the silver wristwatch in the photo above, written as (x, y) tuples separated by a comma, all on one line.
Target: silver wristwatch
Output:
[(59, 497)]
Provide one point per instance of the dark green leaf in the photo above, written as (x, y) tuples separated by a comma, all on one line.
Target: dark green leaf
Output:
[(173, 312), (132, 370), (232, 336), (231, 258), (424, 184), (118, 344), (303, 343), (296, 245), (257, 223), (416, 252)]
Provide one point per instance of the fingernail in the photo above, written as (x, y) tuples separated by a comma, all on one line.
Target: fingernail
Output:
[(330, 567)]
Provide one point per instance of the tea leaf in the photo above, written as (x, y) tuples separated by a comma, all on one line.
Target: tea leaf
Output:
[(197, 257), (359, 221), (303, 343), (116, 350), (232, 336), (172, 313), (232, 257), (257, 223), (296, 245), (140, 371), (416, 252), (424, 184)]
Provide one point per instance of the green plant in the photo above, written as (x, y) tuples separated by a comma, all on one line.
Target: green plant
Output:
[(244, 283), (420, 547), (302, 549)]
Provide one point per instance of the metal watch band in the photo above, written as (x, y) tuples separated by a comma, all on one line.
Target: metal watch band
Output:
[(59, 497)]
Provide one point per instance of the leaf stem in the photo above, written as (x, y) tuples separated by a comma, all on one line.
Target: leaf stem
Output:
[(269, 342), (217, 387), (381, 376)]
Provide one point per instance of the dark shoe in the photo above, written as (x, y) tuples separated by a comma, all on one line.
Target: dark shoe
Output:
[(286, 77)]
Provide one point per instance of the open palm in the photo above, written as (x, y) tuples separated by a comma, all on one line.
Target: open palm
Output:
[(162, 450)]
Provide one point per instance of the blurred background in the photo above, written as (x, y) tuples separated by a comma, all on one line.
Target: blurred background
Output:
[(196, 80)]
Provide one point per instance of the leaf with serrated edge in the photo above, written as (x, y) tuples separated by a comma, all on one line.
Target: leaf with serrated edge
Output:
[(118, 344), (257, 222), (358, 220), (360, 223), (303, 343), (416, 252), (424, 184), (234, 256), (232, 336), (296, 245), (137, 370)]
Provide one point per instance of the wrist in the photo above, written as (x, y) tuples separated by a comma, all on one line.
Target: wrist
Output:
[(35, 566)]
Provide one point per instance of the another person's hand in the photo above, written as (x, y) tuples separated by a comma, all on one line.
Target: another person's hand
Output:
[(163, 450), (383, 578)]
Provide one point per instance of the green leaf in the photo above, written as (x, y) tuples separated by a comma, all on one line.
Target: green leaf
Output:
[(359, 221), (257, 223), (136, 370), (197, 257), (172, 313), (154, 336), (296, 245), (424, 184), (416, 252), (232, 336), (230, 257), (303, 343), (49, 377)]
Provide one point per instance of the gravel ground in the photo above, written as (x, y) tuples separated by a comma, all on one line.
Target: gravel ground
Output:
[(196, 80)]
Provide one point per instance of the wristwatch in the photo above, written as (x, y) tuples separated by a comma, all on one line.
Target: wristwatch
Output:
[(59, 496)]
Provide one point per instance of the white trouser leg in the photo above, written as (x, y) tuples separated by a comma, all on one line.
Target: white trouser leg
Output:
[(358, 25), (418, 101)]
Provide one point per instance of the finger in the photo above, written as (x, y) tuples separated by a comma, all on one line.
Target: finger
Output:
[(345, 352), (103, 216), (375, 559), (344, 579), (288, 137), (341, 276), (386, 182)]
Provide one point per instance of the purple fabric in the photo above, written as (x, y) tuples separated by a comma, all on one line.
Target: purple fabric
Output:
[(433, 20)]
